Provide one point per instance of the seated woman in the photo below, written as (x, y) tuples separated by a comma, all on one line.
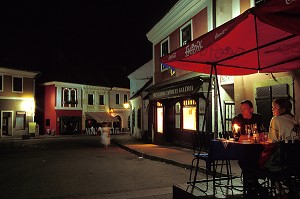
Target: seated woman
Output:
[(283, 128), (283, 121)]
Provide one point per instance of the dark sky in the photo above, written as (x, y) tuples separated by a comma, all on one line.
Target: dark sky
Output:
[(90, 41)]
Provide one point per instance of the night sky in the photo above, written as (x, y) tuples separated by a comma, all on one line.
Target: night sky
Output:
[(87, 42)]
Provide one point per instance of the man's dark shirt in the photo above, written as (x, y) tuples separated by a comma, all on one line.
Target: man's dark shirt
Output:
[(255, 119)]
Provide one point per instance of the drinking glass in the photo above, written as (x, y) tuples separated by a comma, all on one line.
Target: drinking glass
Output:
[(266, 137)]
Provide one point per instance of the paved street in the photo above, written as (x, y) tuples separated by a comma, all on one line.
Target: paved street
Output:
[(79, 167)]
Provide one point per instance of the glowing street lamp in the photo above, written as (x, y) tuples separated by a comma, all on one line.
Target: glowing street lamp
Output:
[(126, 105)]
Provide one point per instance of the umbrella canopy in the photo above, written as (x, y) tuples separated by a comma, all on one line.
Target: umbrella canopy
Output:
[(263, 39)]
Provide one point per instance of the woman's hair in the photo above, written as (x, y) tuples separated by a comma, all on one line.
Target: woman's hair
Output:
[(285, 104)]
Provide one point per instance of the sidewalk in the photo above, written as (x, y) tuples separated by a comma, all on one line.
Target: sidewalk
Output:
[(177, 156)]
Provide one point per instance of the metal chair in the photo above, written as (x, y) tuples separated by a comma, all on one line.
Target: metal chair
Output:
[(281, 176), (200, 147), (287, 179), (213, 167)]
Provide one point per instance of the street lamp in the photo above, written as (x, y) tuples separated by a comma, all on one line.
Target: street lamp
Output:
[(126, 105)]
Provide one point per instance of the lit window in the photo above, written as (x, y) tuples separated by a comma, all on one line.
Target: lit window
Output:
[(160, 117), (20, 120), (69, 97), (189, 114)]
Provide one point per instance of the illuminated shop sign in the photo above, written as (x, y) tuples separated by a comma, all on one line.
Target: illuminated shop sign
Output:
[(180, 90)]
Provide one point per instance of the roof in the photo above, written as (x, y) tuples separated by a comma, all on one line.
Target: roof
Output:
[(176, 81), (14, 71), (142, 89)]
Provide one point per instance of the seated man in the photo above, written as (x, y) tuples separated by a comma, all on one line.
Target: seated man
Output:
[(249, 122)]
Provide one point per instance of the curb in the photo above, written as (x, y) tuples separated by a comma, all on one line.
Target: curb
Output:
[(155, 158)]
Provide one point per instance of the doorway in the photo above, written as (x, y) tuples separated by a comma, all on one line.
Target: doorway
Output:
[(70, 125), (6, 123)]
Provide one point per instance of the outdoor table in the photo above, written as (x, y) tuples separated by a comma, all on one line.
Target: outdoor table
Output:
[(225, 150)]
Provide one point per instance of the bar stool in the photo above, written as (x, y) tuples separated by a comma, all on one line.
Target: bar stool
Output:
[(203, 151), (200, 154)]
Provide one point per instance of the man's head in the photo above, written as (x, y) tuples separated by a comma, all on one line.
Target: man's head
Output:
[(246, 109)]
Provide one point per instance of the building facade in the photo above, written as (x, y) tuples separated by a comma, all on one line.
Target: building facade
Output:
[(179, 105), (71, 108), (17, 96), (140, 80)]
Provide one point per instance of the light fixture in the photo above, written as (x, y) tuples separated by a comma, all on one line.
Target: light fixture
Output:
[(126, 105)]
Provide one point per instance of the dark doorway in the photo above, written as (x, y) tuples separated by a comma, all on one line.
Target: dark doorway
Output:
[(6, 123), (70, 125)]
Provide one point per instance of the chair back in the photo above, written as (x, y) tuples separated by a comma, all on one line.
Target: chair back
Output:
[(202, 141), (290, 157)]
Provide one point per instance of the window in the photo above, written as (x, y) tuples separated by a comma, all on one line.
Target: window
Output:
[(17, 84), (69, 97), (185, 34), (47, 122), (177, 115), (117, 98), (133, 117), (160, 117), (1, 83), (128, 122), (139, 118), (164, 50), (264, 97), (189, 114), (90, 99), (202, 107), (73, 96), (20, 120), (101, 99), (125, 98), (229, 113), (65, 95)]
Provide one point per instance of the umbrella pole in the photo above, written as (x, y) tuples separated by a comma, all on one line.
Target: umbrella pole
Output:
[(213, 67), (219, 98), (207, 100)]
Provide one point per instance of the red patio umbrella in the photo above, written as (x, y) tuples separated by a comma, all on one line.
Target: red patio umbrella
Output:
[(262, 39)]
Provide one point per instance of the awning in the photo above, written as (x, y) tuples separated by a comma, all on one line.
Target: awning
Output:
[(185, 85), (101, 116)]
